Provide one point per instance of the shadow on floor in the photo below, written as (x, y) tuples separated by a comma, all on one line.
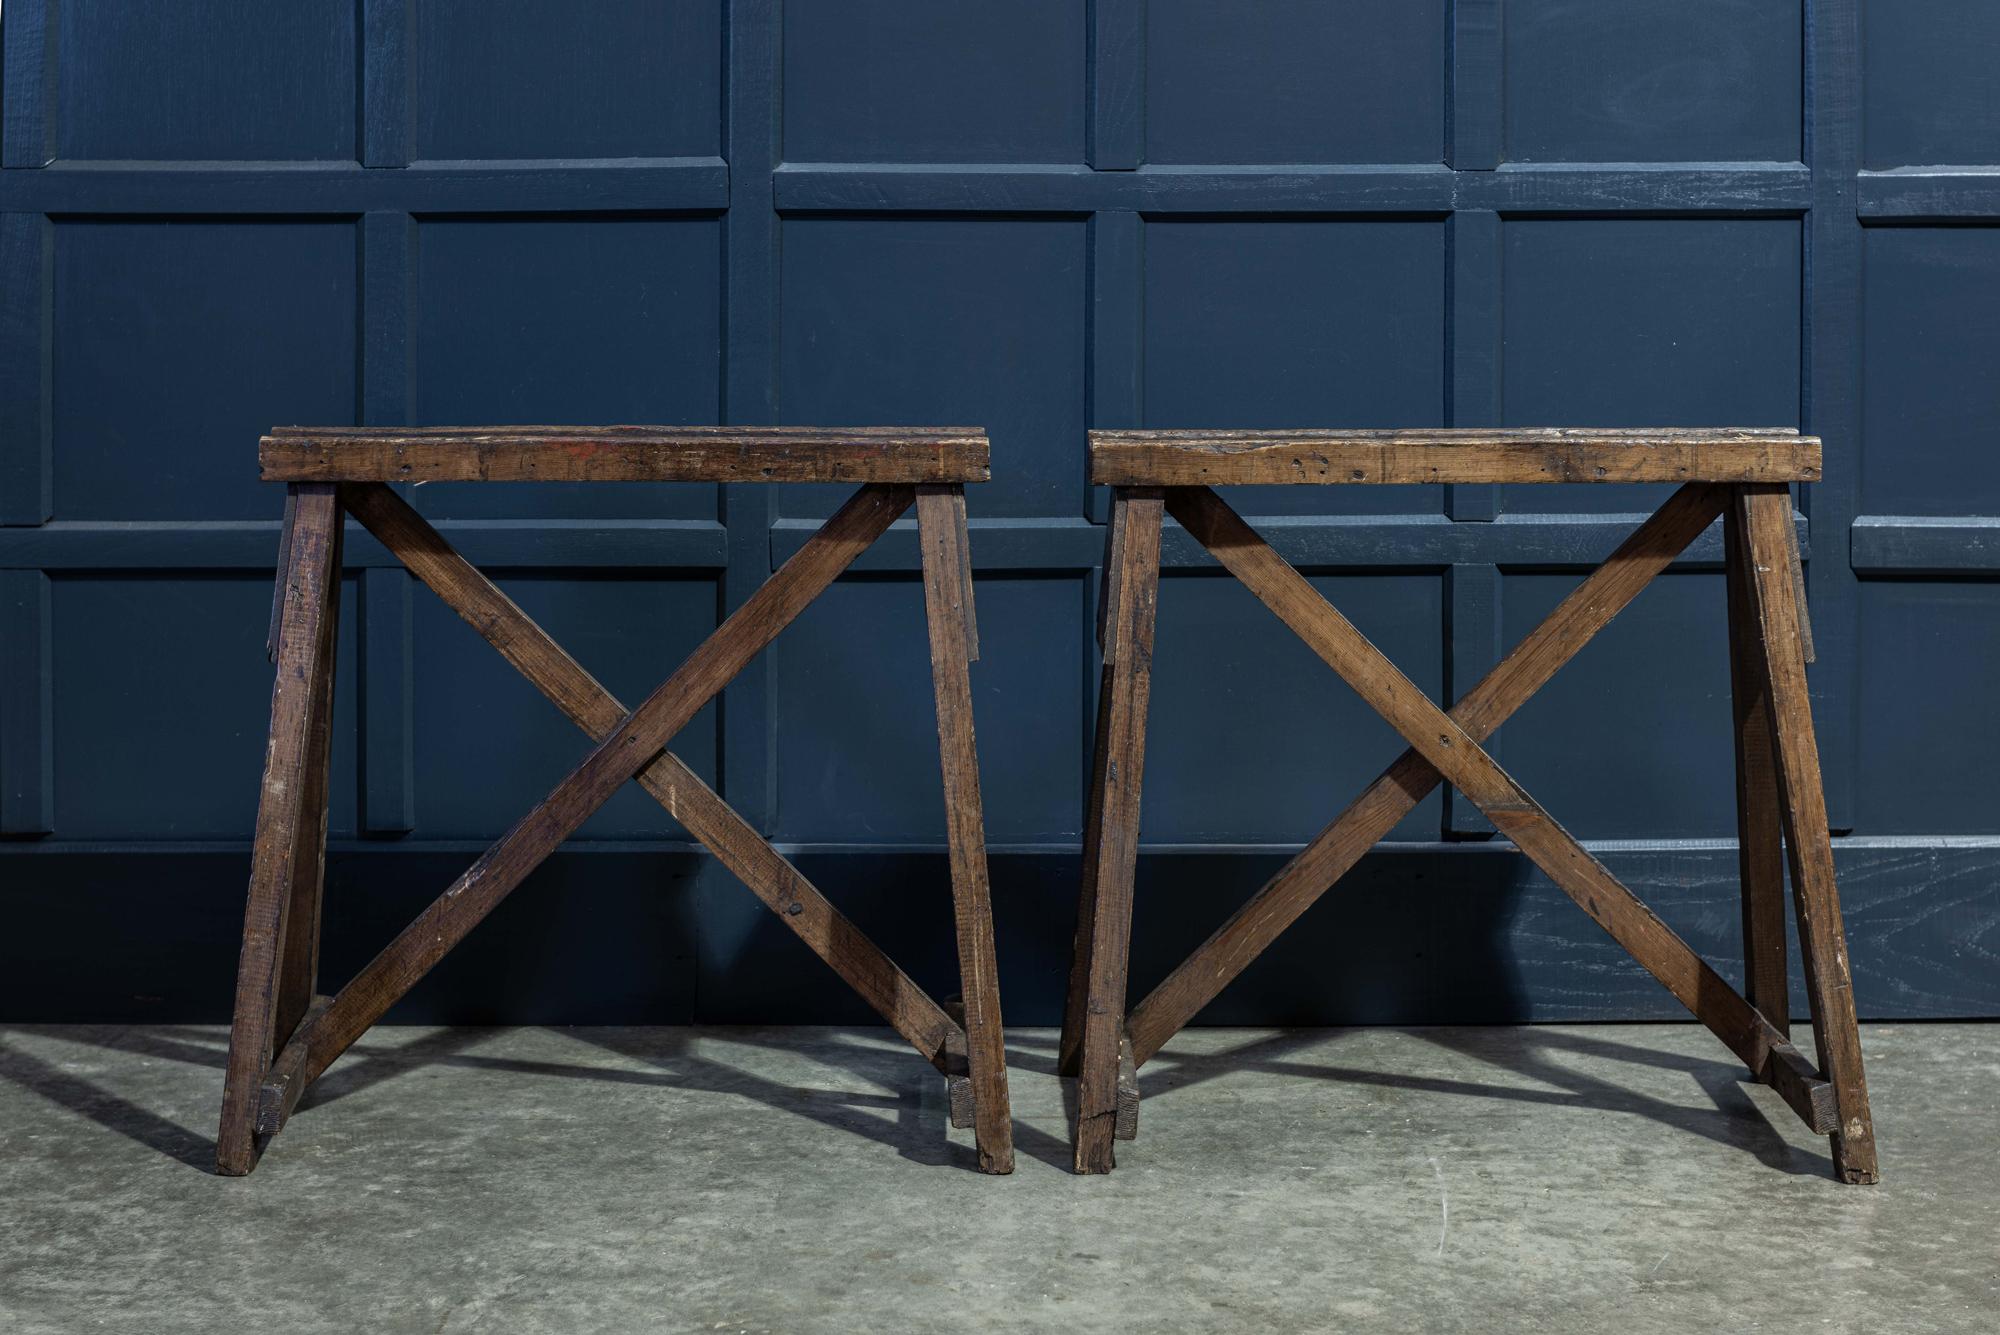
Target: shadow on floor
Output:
[(1735, 1120), (914, 1093)]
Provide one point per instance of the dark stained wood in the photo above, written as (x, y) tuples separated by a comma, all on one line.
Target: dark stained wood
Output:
[(736, 844), (278, 587), (633, 745), (948, 605), (1463, 762), (1759, 845), (1111, 859), (285, 1081), (1768, 538), (287, 825), (298, 965), (1116, 533), (1471, 455), (625, 454), (1371, 816)]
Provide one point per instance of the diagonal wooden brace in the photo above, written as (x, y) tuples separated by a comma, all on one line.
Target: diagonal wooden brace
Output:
[(1368, 819), (736, 844), (1449, 749), (1769, 544), (629, 748)]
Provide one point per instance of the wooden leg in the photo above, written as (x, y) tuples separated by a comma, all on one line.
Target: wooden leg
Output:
[(281, 921), (781, 887), (1765, 514), (954, 645), (1115, 534), (1760, 849), (1111, 857)]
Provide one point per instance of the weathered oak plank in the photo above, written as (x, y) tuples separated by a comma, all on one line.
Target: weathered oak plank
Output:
[(625, 454), (1463, 455)]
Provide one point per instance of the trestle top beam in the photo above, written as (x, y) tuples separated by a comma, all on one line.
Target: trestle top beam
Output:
[(1460, 455), (906, 455)]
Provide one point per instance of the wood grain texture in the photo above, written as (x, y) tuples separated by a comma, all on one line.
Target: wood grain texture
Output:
[(298, 965), (1464, 762), (1111, 859), (782, 888), (1468, 455), (624, 454), (1765, 515), (289, 829), (629, 748), (1369, 818), (1759, 842), (1117, 534), (954, 642)]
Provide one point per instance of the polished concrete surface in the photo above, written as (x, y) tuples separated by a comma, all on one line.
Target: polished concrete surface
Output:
[(1563, 1179)]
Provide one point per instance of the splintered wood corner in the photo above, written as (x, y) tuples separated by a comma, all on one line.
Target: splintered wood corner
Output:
[(285, 1035), (1741, 476)]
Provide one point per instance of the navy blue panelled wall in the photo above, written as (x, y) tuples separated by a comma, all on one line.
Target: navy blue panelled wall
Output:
[(216, 215)]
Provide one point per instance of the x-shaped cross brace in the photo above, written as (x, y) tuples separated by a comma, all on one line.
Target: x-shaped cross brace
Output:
[(1779, 783), (285, 1037)]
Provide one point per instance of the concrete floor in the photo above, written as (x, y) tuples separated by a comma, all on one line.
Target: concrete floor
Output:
[(1571, 1179)]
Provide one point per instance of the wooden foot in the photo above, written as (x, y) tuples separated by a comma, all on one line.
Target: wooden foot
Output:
[(1760, 848), (954, 645), (1765, 514), (1097, 1017), (274, 979)]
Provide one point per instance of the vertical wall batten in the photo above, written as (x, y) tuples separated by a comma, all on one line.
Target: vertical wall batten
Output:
[(1831, 382), (1472, 609), (1475, 119), (1117, 84), (1472, 354), (385, 83), (1475, 112), (388, 752), (27, 279), (1117, 331), (27, 703), (27, 129), (751, 240)]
